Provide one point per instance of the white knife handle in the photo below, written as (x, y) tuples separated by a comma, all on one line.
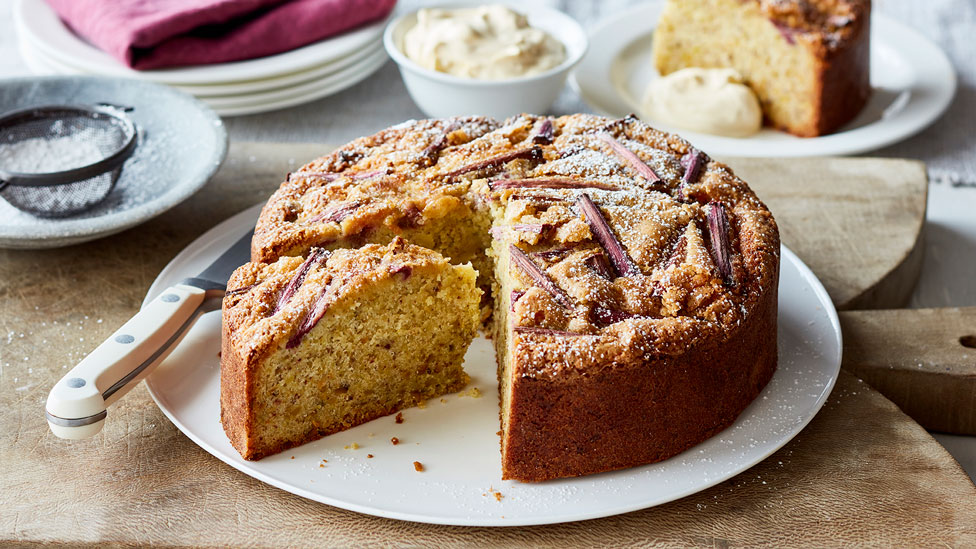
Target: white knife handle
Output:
[(76, 407)]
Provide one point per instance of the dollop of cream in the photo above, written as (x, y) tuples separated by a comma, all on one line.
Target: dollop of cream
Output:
[(713, 101), (489, 42)]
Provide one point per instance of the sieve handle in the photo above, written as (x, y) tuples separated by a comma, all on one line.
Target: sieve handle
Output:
[(76, 406)]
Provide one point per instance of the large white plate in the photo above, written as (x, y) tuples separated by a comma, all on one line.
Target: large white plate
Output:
[(245, 103), (455, 438), (41, 25), (912, 78)]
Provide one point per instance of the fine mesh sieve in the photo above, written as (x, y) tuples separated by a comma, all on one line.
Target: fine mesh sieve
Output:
[(61, 160)]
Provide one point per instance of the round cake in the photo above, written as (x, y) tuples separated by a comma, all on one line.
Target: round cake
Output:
[(630, 281)]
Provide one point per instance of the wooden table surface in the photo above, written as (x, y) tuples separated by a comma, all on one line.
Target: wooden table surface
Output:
[(861, 472)]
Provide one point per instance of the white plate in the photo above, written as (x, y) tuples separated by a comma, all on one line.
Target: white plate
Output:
[(36, 57), (41, 25), (241, 104), (181, 144), (913, 84), (352, 76), (311, 88), (456, 441)]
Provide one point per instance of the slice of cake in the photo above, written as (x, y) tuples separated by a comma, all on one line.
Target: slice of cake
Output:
[(316, 345), (807, 60)]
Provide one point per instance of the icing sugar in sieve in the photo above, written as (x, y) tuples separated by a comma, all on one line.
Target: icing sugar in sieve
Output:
[(56, 161)]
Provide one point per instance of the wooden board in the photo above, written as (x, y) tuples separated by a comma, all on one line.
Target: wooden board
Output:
[(924, 360), (861, 473), (856, 222)]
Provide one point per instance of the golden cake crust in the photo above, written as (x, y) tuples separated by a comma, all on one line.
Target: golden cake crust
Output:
[(628, 343)]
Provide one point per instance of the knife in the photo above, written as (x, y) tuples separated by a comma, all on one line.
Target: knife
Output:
[(77, 405)]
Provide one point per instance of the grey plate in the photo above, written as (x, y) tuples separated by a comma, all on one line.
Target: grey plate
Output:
[(181, 145)]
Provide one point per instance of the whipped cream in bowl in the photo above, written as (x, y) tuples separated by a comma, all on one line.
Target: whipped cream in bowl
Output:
[(491, 42), (496, 60)]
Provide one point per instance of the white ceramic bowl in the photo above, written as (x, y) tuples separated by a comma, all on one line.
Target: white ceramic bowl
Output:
[(441, 95)]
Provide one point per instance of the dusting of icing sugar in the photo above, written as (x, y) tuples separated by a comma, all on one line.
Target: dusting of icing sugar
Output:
[(409, 123), (146, 176), (663, 163), (585, 163), (54, 154)]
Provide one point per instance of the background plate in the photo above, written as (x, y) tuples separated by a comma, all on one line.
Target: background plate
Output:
[(912, 78), (37, 60), (246, 103), (41, 25), (181, 145), (455, 438)]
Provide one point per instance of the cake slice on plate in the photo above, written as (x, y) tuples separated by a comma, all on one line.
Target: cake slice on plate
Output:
[(807, 60), (316, 345)]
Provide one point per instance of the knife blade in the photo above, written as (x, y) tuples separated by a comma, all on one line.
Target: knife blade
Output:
[(78, 404)]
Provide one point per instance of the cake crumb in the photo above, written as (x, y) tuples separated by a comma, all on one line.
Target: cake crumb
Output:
[(419, 467), (352, 446), (321, 466), (369, 456), (399, 417), (443, 401), (473, 392), (422, 404), (292, 457), (395, 441)]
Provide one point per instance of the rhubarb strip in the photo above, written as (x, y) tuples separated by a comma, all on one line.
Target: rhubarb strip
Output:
[(332, 176), (692, 162), (532, 330), (240, 290), (630, 158), (718, 231), (549, 183), (598, 263), (526, 265), (603, 234), (335, 213), (431, 154), (316, 257), (545, 134), (533, 153), (313, 317)]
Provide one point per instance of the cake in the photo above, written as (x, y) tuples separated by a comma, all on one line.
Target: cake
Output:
[(317, 345), (630, 281), (807, 60)]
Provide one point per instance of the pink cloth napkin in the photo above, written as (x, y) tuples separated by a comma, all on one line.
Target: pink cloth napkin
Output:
[(149, 34)]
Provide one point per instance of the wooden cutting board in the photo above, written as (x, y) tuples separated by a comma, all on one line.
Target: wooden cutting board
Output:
[(861, 473)]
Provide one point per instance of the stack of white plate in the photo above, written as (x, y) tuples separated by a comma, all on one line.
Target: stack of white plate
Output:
[(244, 87)]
